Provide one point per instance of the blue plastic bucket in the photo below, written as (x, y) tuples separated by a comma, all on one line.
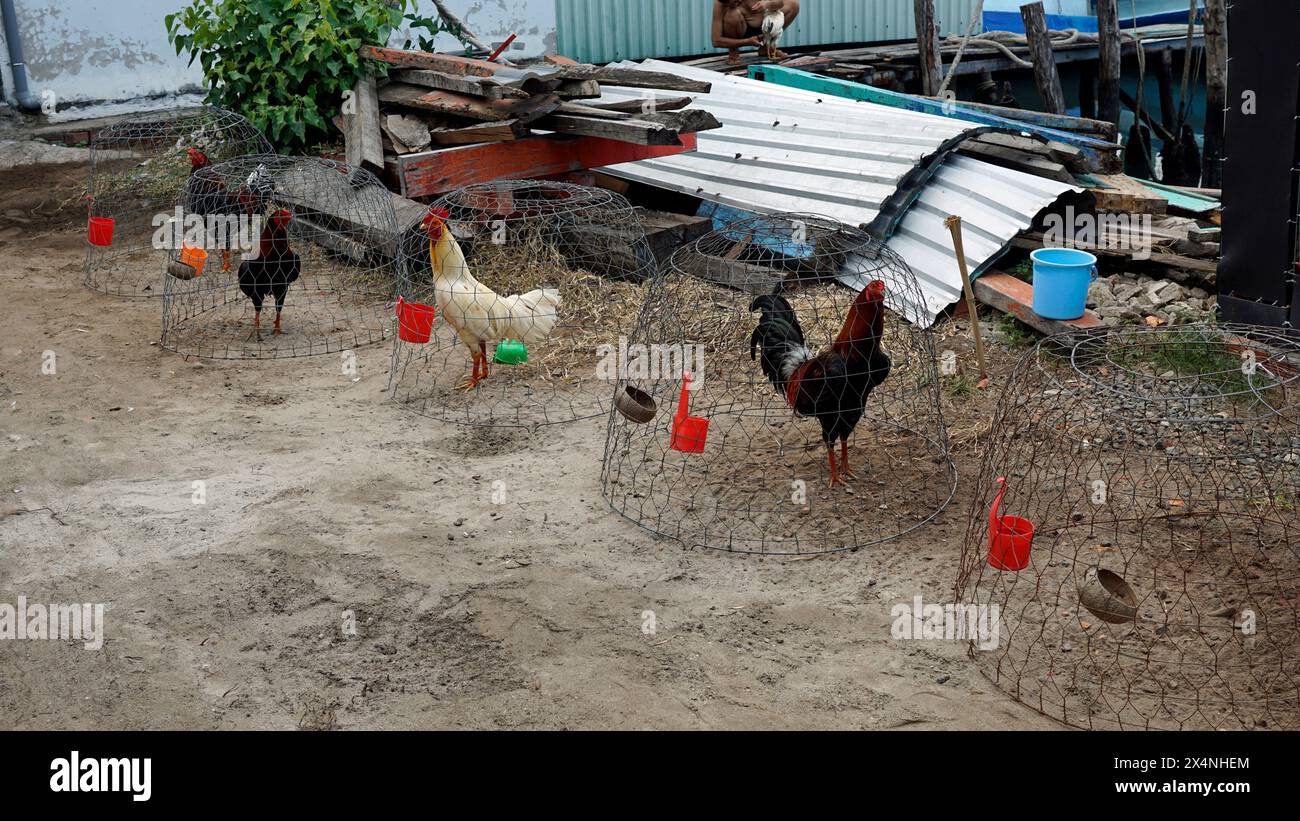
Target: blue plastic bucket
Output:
[(1061, 280)]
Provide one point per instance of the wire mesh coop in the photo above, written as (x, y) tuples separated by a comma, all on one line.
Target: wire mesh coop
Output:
[(136, 168), (703, 445), (1141, 550), (280, 257), (511, 296)]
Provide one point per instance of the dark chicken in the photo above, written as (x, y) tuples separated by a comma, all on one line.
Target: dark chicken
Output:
[(272, 271), (834, 384), (207, 196)]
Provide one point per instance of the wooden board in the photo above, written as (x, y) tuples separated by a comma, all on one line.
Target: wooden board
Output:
[(471, 108), (1011, 296), (1118, 192), (441, 81), (639, 106), (446, 63), (634, 78), (644, 129), (640, 132), (666, 232), (436, 172), (501, 131), (1017, 161), (362, 133), (1066, 155), (578, 89)]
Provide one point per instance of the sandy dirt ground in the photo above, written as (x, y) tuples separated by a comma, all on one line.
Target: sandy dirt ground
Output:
[(322, 497)]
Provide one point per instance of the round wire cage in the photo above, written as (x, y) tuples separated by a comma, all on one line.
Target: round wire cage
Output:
[(1150, 479), (703, 444), (136, 168), (523, 287), (276, 257)]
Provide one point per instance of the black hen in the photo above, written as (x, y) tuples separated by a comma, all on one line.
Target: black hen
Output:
[(275, 268)]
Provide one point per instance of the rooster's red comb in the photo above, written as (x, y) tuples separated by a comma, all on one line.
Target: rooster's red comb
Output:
[(437, 212)]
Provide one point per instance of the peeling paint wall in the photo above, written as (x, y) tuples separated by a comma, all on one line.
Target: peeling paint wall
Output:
[(494, 20), (108, 50), (85, 50)]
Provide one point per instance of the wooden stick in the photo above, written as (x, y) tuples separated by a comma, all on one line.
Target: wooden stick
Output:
[(954, 225)]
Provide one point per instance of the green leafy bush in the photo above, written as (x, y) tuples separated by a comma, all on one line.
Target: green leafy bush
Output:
[(284, 64)]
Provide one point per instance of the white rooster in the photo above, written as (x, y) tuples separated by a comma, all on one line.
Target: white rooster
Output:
[(478, 313), (773, 27)]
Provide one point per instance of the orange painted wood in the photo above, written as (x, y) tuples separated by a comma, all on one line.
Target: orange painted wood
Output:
[(447, 63), (437, 172), (1015, 297)]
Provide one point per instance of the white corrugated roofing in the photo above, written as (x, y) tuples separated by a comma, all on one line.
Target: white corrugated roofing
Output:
[(784, 149)]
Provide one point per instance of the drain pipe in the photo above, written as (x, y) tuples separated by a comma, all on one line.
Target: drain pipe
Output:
[(27, 101)]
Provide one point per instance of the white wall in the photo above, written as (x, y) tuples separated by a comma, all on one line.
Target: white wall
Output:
[(494, 20), (97, 50), (100, 49)]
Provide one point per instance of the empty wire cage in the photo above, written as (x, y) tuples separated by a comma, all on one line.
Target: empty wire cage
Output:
[(280, 257), (755, 320), (136, 169), (513, 295), (1134, 530)]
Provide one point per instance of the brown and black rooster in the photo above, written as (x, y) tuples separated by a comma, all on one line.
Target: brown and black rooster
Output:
[(832, 385), (272, 271), (207, 195)]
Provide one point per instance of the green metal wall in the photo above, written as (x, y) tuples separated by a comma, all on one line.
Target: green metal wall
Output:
[(601, 31)]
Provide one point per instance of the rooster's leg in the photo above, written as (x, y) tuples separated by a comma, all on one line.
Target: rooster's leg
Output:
[(225, 260), (845, 470), (482, 349), (470, 383), (276, 331), (830, 457), (257, 325)]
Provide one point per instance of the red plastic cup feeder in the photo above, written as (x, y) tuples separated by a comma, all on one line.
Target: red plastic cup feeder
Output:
[(100, 231), (689, 432), (414, 321), (1010, 537)]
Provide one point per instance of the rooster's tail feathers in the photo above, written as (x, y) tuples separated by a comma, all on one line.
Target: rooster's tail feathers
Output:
[(532, 316), (781, 338)]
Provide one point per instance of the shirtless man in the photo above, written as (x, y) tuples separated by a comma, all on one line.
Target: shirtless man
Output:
[(738, 23)]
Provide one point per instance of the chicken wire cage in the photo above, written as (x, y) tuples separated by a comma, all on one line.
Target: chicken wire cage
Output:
[(136, 168), (1134, 530), (703, 445), (514, 294), (280, 257)]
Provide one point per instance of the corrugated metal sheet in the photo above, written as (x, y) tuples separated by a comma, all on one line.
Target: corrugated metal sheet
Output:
[(786, 150), (600, 31)]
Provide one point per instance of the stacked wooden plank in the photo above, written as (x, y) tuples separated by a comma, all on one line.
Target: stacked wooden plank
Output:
[(439, 121)]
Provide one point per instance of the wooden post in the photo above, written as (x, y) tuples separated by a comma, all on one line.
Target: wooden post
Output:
[(954, 225), (1165, 82), (1109, 62), (928, 53), (1040, 49), (1088, 91), (1216, 91)]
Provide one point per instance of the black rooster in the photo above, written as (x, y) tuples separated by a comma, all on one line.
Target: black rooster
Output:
[(834, 384), (272, 271)]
